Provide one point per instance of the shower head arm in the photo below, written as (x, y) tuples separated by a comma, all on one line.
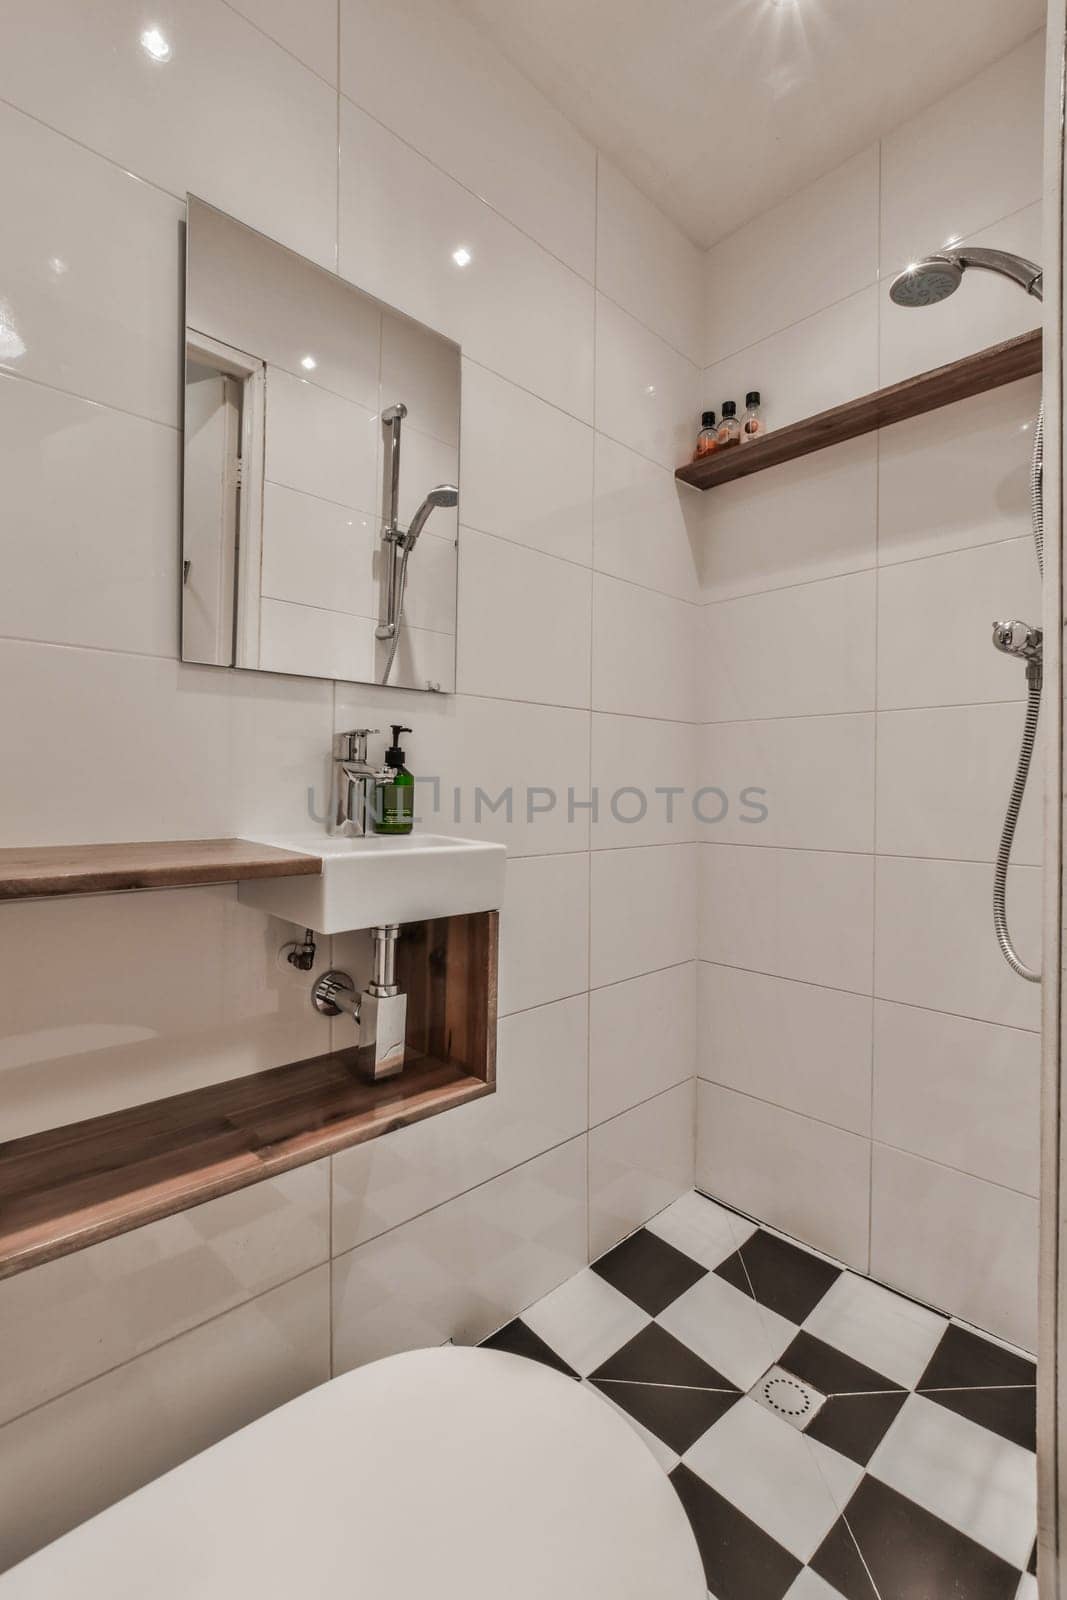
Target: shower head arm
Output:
[(1027, 274)]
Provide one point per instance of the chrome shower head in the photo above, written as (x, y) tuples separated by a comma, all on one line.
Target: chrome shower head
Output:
[(926, 282), (935, 277), (445, 494)]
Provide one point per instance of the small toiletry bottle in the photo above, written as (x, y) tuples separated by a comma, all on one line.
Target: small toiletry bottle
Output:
[(752, 424), (395, 810), (729, 427), (708, 437)]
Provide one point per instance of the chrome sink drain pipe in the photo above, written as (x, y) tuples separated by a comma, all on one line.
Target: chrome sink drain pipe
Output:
[(380, 1012)]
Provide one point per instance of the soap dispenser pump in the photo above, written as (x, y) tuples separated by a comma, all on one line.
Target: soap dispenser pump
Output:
[(395, 811)]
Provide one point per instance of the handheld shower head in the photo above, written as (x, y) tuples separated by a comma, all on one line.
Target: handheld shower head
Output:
[(926, 282), (445, 494), (935, 277)]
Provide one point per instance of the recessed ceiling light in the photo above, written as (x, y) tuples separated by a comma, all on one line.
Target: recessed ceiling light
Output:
[(462, 257), (309, 363), (154, 44)]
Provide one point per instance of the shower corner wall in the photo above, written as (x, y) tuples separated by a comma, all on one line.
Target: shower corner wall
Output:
[(868, 1065)]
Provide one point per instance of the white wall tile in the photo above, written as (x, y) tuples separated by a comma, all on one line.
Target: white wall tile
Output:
[(813, 775), (646, 264), (94, 1046), (967, 160), (809, 650), (91, 306), (820, 362), (318, 553), (467, 1267), (632, 759), (71, 1320), (643, 910), (291, 636), (959, 476), (258, 131), (524, 759), (944, 777), (418, 364), (956, 1242), (527, 468), (646, 525), (798, 914), (935, 944), (311, 36), (540, 1101), (513, 308), (646, 393), (642, 1039), (797, 1045), (811, 518), (467, 108), (989, 308), (644, 647), (178, 753), (964, 1093), (69, 1459), (639, 1163), (92, 494), (802, 1176), (544, 931), (319, 443), (817, 247), (523, 623), (935, 621)]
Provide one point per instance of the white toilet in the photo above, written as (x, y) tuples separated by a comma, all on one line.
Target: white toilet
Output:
[(447, 1474)]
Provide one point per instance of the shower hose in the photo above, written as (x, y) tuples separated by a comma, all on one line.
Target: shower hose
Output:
[(1033, 707)]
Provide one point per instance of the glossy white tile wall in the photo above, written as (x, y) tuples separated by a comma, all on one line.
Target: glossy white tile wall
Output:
[(359, 162), (74, 1319), (541, 1101), (956, 1242), (803, 1176), (464, 1268), (815, 249), (509, 146), (639, 1162), (642, 1038), (138, 1421), (856, 1014)]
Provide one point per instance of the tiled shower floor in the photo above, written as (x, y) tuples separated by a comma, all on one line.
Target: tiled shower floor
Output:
[(913, 1480)]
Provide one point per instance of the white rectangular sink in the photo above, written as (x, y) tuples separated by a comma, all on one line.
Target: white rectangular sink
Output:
[(380, 879)]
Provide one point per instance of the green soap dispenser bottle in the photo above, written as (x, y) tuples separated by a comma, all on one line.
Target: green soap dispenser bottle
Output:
[(395, 810)]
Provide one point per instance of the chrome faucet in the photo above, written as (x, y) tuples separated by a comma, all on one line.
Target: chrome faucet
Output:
[(353, 776)]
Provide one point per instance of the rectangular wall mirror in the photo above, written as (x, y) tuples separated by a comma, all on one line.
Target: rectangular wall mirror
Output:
[(319, 523)]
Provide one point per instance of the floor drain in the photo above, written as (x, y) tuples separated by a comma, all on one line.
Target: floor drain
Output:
[(788, 1397)]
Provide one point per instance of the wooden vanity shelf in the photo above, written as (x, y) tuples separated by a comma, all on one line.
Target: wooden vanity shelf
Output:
[(75, 1186), (988, 369), (167, 864)]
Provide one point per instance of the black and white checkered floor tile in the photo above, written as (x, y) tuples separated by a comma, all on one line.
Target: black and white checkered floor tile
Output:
[(894, 1459)]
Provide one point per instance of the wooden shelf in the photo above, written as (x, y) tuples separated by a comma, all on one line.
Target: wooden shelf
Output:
[(988, 369), (168, 864), (75, 1186), (78, 1185)]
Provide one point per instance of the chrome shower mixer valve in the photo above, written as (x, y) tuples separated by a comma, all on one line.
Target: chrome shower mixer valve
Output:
[(1018, 639)]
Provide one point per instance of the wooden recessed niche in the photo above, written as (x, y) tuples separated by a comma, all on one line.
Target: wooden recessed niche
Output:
[(75, 1186)]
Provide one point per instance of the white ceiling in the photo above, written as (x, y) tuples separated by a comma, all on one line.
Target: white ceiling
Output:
[(718, 109)]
